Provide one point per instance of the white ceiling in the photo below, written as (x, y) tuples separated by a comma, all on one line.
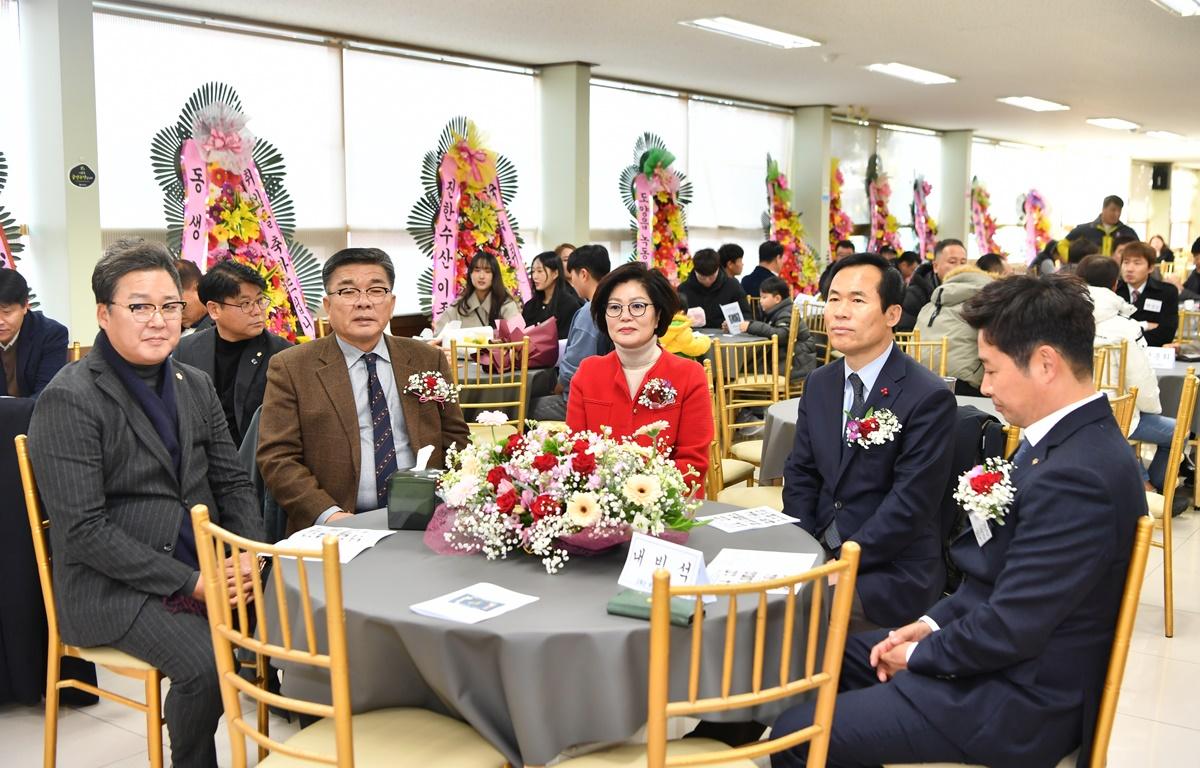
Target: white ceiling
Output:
[(1119, 58)]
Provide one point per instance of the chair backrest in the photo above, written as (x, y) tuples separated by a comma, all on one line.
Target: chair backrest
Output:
[(1099, 366), (906, 337), (715, 481), (1123, 407), (322, 327), (1012, 438), (1111, 374), (497, 371), (931, 354), (789, 354), (1121, 638), (39, 529), (74, 352), (747, 376), (1189, 326), (755, 303), (814, 318), (822, 679), (1183, 428), (229, 622)]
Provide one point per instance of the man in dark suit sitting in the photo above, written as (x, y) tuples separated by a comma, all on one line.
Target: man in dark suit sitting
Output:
[(32, 346), (886, 496), (123, 444), (1157, 302), (236, 351), (1008, 671)]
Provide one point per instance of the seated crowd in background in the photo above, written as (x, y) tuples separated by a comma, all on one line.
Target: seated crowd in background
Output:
[(33, 347)]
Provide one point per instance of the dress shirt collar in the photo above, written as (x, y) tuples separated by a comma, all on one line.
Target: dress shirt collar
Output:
[(353, 354), (1038, 430), (11, 344), (1139, 288), (870, 372)]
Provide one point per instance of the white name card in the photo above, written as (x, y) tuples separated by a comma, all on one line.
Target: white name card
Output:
[(748, 519), (1161, 357), (1152, 305), (647, 554), (733, 316)]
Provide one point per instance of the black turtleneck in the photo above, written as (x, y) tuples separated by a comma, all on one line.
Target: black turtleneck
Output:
[(229, 356)]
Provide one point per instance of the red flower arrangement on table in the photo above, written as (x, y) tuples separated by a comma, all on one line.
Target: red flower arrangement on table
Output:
[(551, 493), (798, 267), (840, 225)]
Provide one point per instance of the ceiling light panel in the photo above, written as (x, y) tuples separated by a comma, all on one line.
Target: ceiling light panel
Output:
[(1180, 7), (753, 33), (912, 74), (1033, 104), (1113, 123)]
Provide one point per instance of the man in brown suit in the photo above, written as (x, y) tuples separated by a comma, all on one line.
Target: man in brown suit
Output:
[(336, 420)]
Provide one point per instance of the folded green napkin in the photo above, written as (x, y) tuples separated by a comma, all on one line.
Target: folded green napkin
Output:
[(636, 605)]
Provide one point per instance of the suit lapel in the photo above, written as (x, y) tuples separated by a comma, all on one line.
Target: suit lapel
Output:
[(889, 379), (402, 368), (108, 383), (335, 378), (184, 403), (250, 367)]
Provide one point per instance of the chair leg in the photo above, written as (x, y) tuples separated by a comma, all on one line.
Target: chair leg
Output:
[(50, 746), (264, 715), (1168, 577), (154, 723)]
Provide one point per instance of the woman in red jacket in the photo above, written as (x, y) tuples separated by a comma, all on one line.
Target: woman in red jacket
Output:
[(640, 383)]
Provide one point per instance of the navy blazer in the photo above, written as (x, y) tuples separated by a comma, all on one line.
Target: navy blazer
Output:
[(1166, 314), (886, 498), (41, 353), (752, 282), (1025, 640)]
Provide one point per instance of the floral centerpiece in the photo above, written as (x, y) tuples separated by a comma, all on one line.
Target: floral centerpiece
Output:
[(840, 225), (552, 493), (467, 189), (798, 267), (655, 195), (224, 199), (1036, 222), (885, 230), (923, 223), (982, 223)]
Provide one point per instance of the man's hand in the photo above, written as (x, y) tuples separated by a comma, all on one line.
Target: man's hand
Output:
[(338, 516), (237, 578), (889, 655), (558, 388)]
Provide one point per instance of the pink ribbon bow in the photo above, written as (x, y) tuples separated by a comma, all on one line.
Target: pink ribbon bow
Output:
[(472, 157), (219, 141)]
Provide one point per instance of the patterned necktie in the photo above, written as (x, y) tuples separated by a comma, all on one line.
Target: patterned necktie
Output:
[(1023, 450), (381, 420), (858, 405), (1134, 295)]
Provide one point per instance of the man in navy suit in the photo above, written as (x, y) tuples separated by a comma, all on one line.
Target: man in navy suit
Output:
[(1008, 671), (32, 346), (884, 496)]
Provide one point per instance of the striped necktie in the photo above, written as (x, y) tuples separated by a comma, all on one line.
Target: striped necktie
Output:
[(381, 420)]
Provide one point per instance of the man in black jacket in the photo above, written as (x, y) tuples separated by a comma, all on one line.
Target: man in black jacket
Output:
[(769, 255), (708, 287), (843, 249), (1157, 302), (33, 347), (1190, 290), (947, 255), (1106, 228)]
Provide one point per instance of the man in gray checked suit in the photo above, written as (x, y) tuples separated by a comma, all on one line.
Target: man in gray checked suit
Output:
[(123, 444)]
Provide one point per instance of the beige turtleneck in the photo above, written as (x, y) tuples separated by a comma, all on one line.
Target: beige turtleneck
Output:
[(635, 363)]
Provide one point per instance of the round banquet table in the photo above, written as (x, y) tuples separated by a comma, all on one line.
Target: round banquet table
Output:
[(780, 431), (544, 677)]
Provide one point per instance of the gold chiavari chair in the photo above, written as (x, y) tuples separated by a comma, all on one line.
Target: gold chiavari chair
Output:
[(906, 337), (747, 376), (722, 470), (756, 312), (322, 327), (1116, 657), (1160, 504), (931, 354), (1189, 326), (814, 318), (1112, 372), (1123, 407), (110, 658), (1099, 366), (74, 352), (1012, 438), (501, 385), (340, 738), (658, 752), (789, 389)]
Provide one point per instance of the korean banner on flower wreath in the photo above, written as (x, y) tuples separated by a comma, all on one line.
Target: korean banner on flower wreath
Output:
[(782, 224), (463, 212), (982, 223), (224, 199), (885, 230), (656, 195), (840, 225), (923, 223)]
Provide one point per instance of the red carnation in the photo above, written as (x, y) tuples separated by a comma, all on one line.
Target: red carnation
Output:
[(545, 462), (580, 446), (544, 505), (431, 382), (495, 475), (584, 463), (867, 426), (513, 442), (984, 483), (506, 501)]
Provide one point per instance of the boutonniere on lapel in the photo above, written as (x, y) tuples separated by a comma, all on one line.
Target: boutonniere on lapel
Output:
[(874, 428), (432, 386), (657, 393), (883, 391), (986, 492)]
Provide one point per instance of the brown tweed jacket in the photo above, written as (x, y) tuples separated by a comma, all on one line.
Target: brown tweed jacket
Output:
[(308, 438)]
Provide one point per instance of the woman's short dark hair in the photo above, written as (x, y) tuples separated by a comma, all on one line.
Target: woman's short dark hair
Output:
[(1100, 271), (658, 290), (1018, 314), (13, 288), (358, 256), (990, 262), (130, 254), (891, 284), (224, 281), (729, 253), (1080, 249)]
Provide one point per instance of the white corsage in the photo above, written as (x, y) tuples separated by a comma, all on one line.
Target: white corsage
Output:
[(432, 386), (986, 490), (875, 428), (658, 393)]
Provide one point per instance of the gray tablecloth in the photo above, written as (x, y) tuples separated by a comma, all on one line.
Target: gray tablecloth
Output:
[(544, 677), (780, 431)]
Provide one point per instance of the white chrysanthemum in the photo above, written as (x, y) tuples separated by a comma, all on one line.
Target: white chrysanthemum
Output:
[(491, 418), (642, 489), (583, 509), (458, 494)]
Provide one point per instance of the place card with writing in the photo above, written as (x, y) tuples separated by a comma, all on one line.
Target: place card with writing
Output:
[(748, 519), (473, 604), (647, 554), (741, 566), (1162, 358), (351, 541)]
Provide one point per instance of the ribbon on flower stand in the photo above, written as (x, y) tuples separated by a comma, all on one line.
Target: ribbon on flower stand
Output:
[(7, 260), (871, 200), (644, 197), (195, 205), (274, 241), (445, 236), (512, 251)]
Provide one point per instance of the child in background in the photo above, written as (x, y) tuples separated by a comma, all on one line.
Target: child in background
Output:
[(777, 321), (680, 339)]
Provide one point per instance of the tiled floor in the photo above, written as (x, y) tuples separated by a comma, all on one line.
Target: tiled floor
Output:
[(1157, 726)]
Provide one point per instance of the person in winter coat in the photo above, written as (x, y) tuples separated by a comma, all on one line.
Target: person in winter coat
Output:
[(942, 317), (680, 339), (708, 287), (947, 255), (1114, 324), (1106, 228), (777, 322)]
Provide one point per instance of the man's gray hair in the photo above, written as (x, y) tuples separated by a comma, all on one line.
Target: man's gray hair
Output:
[(129, 254)]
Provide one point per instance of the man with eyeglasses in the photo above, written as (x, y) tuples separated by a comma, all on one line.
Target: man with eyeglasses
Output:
[(33, 347), (337, 420), (123, 444), (236, 350)]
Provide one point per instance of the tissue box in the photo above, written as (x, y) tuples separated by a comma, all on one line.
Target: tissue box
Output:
[(412, 498)]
